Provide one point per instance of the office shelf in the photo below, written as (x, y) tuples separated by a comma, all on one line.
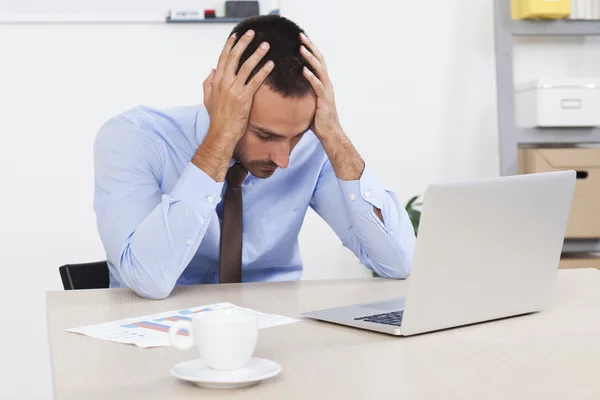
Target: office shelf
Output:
[(563, 27), (566, 136), (510, 136), (204, 21), (222, 20)]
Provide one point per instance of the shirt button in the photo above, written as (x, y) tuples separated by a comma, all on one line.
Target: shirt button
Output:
[(352, 197), (189, 241), (391, 233), (210, 199), (368, 194)]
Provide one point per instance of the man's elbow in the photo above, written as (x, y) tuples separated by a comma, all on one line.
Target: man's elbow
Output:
[(401, 269), (154, 288), (403, 266), (152, 293), (395, 273)]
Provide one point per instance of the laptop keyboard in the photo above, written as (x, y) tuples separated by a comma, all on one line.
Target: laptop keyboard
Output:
[(390, 318)]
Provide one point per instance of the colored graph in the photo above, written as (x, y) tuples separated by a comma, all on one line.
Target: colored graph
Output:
[(175, 318), (188, 312), (156, 326), (152, 325)]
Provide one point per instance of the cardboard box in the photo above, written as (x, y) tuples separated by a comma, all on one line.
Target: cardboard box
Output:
[(584, 220), (534, 9), (565, 102), (580, 260)]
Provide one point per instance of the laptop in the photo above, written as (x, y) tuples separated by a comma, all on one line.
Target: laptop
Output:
[(486, 249)]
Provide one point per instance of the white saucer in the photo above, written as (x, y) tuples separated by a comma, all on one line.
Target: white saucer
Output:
[(200, 374)]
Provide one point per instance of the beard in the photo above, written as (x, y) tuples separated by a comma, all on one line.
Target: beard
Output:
[(261, 169)]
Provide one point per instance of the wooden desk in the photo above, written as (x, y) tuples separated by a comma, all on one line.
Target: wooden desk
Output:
[(549, 355)]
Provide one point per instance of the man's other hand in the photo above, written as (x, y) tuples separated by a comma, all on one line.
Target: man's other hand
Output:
[(326, 121), (227, 97)]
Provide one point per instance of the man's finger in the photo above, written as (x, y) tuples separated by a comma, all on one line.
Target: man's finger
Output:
[(308, 43), (260, 77), (223, 57), (233, 59), (251, 63), (317, 85), (316, 64)]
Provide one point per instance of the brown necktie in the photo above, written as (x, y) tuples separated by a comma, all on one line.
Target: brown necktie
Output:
[(230, 266)]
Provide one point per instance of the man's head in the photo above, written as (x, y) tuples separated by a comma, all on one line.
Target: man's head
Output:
[(284, 106)]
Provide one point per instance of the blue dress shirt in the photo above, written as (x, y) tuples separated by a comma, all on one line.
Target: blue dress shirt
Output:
[(159, 215)]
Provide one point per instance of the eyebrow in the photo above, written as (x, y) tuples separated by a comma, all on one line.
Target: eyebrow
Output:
[(273, 134)]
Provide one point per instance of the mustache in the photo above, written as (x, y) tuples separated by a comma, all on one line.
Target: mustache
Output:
[(266, 164)]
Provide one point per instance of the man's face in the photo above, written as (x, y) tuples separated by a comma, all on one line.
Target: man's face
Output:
[(275, 127)]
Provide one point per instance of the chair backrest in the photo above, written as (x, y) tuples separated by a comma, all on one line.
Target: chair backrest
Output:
[(85, 276)]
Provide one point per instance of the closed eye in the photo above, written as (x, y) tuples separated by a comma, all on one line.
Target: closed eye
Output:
[(264, 137), (269, 136)]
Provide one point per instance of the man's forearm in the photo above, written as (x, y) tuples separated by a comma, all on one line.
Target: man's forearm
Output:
[(214, 154), (345, 160)]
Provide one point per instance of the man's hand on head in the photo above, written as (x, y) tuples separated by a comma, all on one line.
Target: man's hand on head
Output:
[(227, 97), (345, 160), (326, 121), (228, 100)]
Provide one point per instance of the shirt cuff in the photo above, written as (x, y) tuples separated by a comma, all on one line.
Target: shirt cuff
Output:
[(196, 188), (365, 193), (366, 188)]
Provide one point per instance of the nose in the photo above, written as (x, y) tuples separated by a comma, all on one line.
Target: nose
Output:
[(281, 155)]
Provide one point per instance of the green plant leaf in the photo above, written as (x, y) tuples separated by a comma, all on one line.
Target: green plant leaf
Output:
[(411, 202), (414, 213)]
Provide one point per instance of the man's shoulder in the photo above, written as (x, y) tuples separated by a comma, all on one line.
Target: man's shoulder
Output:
[(146, 116), (155, 124)]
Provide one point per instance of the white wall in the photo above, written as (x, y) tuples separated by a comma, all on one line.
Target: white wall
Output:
[(416, 100), (415, 91)]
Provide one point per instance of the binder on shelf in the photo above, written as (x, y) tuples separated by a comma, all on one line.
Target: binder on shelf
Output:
[(588, 9), (574, 10)]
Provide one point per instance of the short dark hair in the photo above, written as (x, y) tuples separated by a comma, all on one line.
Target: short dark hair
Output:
[(283, 37)]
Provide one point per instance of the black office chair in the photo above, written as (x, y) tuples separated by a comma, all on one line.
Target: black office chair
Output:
[(85, 276)]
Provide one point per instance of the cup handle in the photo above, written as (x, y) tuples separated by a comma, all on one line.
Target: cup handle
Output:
[(174, 338)]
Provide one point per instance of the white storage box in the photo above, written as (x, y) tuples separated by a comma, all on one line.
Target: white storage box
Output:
[(558, 103)]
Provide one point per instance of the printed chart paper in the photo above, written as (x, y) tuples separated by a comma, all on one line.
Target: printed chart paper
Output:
[(151, 330)]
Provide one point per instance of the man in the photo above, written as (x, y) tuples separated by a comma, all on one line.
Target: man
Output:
[(218, 193)]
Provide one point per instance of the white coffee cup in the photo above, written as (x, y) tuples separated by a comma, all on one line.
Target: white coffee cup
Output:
[(225, 339)]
